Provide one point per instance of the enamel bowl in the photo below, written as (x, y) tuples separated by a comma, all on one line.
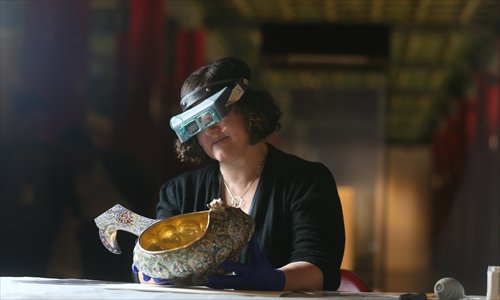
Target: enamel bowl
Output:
[(184, 248)]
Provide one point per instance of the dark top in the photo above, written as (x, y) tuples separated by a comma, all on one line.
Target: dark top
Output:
[(296, 208)]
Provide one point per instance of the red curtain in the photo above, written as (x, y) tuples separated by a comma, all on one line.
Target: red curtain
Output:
[(189, 53), (154, 58), (493, 109)]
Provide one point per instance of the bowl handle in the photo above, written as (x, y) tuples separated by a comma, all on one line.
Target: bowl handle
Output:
[(120, 218)]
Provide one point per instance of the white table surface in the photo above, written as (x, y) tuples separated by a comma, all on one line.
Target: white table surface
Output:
[(55, 288)]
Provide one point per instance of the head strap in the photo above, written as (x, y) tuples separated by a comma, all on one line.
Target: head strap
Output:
[(206, 91)]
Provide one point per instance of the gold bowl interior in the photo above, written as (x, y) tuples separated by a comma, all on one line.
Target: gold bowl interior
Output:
[(175, 232)]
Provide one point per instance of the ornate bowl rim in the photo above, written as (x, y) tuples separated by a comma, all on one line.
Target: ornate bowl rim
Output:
[(170, 219)]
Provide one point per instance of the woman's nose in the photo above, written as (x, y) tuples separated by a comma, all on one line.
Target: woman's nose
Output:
[(213, 129)]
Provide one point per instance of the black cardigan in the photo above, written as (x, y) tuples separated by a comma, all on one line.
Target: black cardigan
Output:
[(296, 208)]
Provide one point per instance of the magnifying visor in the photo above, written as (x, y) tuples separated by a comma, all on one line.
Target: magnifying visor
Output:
[(215, 101)]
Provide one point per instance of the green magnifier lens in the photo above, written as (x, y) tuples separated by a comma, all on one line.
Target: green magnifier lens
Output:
[(206, 119), (192, 128)]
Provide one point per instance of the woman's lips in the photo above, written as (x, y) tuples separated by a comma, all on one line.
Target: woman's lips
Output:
[(218, 140)]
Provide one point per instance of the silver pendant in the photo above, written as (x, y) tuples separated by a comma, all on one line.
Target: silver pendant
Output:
[(236, 201)]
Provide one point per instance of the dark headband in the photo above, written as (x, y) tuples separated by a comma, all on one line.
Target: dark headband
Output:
[(206, 91)]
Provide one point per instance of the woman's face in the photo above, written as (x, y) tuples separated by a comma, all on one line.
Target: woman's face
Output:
[(226, 140)]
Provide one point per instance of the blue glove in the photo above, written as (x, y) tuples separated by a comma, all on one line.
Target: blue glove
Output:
[(147, 278), (258, 275)]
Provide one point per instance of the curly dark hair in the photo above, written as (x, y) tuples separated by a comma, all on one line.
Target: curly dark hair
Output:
[(257, 106)]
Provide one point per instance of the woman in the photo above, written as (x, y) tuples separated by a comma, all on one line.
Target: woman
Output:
[(299, 241)]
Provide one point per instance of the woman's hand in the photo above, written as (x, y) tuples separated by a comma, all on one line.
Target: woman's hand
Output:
[(143, 278), (258, 275)]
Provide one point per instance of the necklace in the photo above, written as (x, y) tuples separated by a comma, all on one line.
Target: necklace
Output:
[(236, 200)]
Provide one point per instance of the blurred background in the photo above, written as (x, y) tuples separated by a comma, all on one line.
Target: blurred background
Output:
[(399, 98)]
